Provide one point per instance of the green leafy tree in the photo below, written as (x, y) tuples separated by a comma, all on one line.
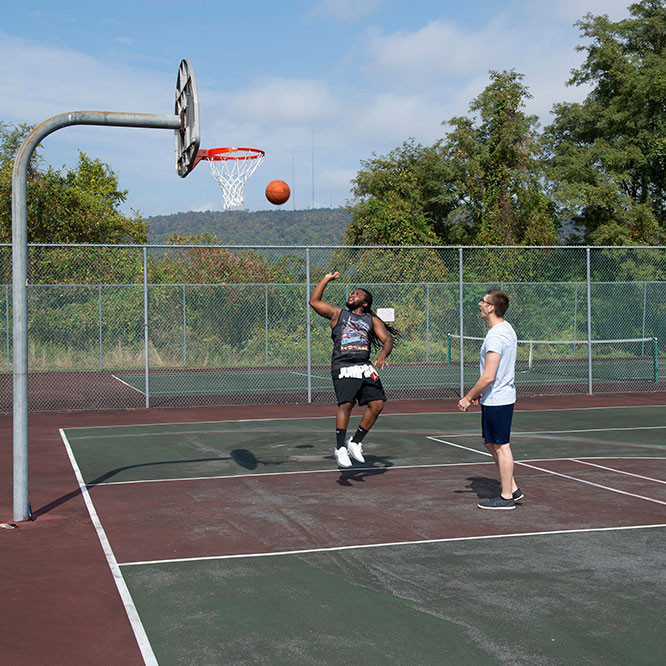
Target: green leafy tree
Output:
[(607, 154), (495, 168), (79, 205), (397, 198), (481, 184)]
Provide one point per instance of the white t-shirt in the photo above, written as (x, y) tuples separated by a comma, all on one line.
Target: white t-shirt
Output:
[(502, 339)]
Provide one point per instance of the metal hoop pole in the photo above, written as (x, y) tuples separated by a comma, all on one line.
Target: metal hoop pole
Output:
[(20, 270)]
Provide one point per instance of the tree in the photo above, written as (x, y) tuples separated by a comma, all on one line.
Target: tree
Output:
[(397, 198), (495, 167), (80, 205), (481, 184), (607, 155)]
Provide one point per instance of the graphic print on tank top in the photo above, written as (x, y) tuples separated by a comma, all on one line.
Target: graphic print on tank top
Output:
[(354, 336)]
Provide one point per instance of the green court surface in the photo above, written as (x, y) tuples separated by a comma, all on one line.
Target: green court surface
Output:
[(534, 600), (395, 377), (208, 523)]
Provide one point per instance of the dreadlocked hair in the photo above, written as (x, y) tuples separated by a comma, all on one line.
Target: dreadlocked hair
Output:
[(375, 342)]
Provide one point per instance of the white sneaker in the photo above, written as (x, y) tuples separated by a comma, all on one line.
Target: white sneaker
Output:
[(356, 450), (342, 457)]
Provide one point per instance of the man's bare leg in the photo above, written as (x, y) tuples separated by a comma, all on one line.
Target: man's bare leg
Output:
[(372, 410), (504, 459), (342, 415), (493, 448)]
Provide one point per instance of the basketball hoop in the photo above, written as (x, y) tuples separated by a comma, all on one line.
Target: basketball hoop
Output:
[(231, 167)]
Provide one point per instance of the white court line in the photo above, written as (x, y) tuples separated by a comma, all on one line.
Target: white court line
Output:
[(130, 385), (392, 543), (332, 416), (460, 446), (334, 470), (618, 471), (305, 374), (590, 483), (132, 614), (566, 476)]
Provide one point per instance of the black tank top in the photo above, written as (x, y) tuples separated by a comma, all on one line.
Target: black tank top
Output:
[(351, 339)]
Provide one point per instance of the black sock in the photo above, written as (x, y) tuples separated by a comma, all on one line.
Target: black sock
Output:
[(340, 437), (359, 435)]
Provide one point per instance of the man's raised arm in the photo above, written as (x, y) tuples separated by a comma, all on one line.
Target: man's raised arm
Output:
[(321, 307)]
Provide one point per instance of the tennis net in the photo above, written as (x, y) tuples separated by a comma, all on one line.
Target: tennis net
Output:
[(626, 359)]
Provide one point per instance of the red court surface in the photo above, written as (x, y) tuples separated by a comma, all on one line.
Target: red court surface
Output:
[(60, 603), (266, 514)]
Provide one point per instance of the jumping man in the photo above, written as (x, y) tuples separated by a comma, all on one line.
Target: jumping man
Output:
[(354, 331)]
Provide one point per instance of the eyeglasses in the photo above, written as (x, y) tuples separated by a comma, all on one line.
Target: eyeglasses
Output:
[(483, 300)]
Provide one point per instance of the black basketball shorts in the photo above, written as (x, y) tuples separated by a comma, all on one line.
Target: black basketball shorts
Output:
[(357, 383)]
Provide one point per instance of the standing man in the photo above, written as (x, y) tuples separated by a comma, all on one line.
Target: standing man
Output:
[(354, 331), (496, 391)]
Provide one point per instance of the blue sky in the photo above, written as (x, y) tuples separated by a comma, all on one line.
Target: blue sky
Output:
[(319, 85)]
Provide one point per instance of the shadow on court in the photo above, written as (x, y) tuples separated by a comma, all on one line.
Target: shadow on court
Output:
[(248, 460), (482, 486), (357, 476), (119, 470)]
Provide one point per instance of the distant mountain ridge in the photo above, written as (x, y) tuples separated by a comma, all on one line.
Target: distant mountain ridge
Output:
[(317, 226)]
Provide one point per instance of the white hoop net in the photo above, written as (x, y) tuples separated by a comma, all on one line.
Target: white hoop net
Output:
[(231, 171)]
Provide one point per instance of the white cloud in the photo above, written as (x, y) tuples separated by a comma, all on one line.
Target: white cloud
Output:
[(448, 65), (392, 117), (38, 81), (283, 101), (436, 49)]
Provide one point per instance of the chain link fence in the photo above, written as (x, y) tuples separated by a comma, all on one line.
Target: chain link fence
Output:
[(155, 326)]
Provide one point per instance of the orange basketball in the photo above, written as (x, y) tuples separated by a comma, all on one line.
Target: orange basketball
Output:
[(277, 192)]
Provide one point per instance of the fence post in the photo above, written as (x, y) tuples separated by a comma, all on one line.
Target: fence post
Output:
[(644, 309), (145, 324), (7, 323), (99, 286), (266, 321), (307, 320), (427, 321), (589, 324), (184, 330), (575, 321), (460, 289)]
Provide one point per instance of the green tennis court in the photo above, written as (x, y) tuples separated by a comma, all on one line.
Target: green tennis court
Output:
[(241, 542)]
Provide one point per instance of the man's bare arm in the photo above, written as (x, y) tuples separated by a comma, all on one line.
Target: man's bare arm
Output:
[(322, 308), (386, 340), (484, 381)]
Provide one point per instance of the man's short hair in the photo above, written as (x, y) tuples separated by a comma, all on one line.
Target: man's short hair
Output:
[(500, 300)]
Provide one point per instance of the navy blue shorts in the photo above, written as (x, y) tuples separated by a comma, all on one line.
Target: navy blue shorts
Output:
[(496, 423)]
